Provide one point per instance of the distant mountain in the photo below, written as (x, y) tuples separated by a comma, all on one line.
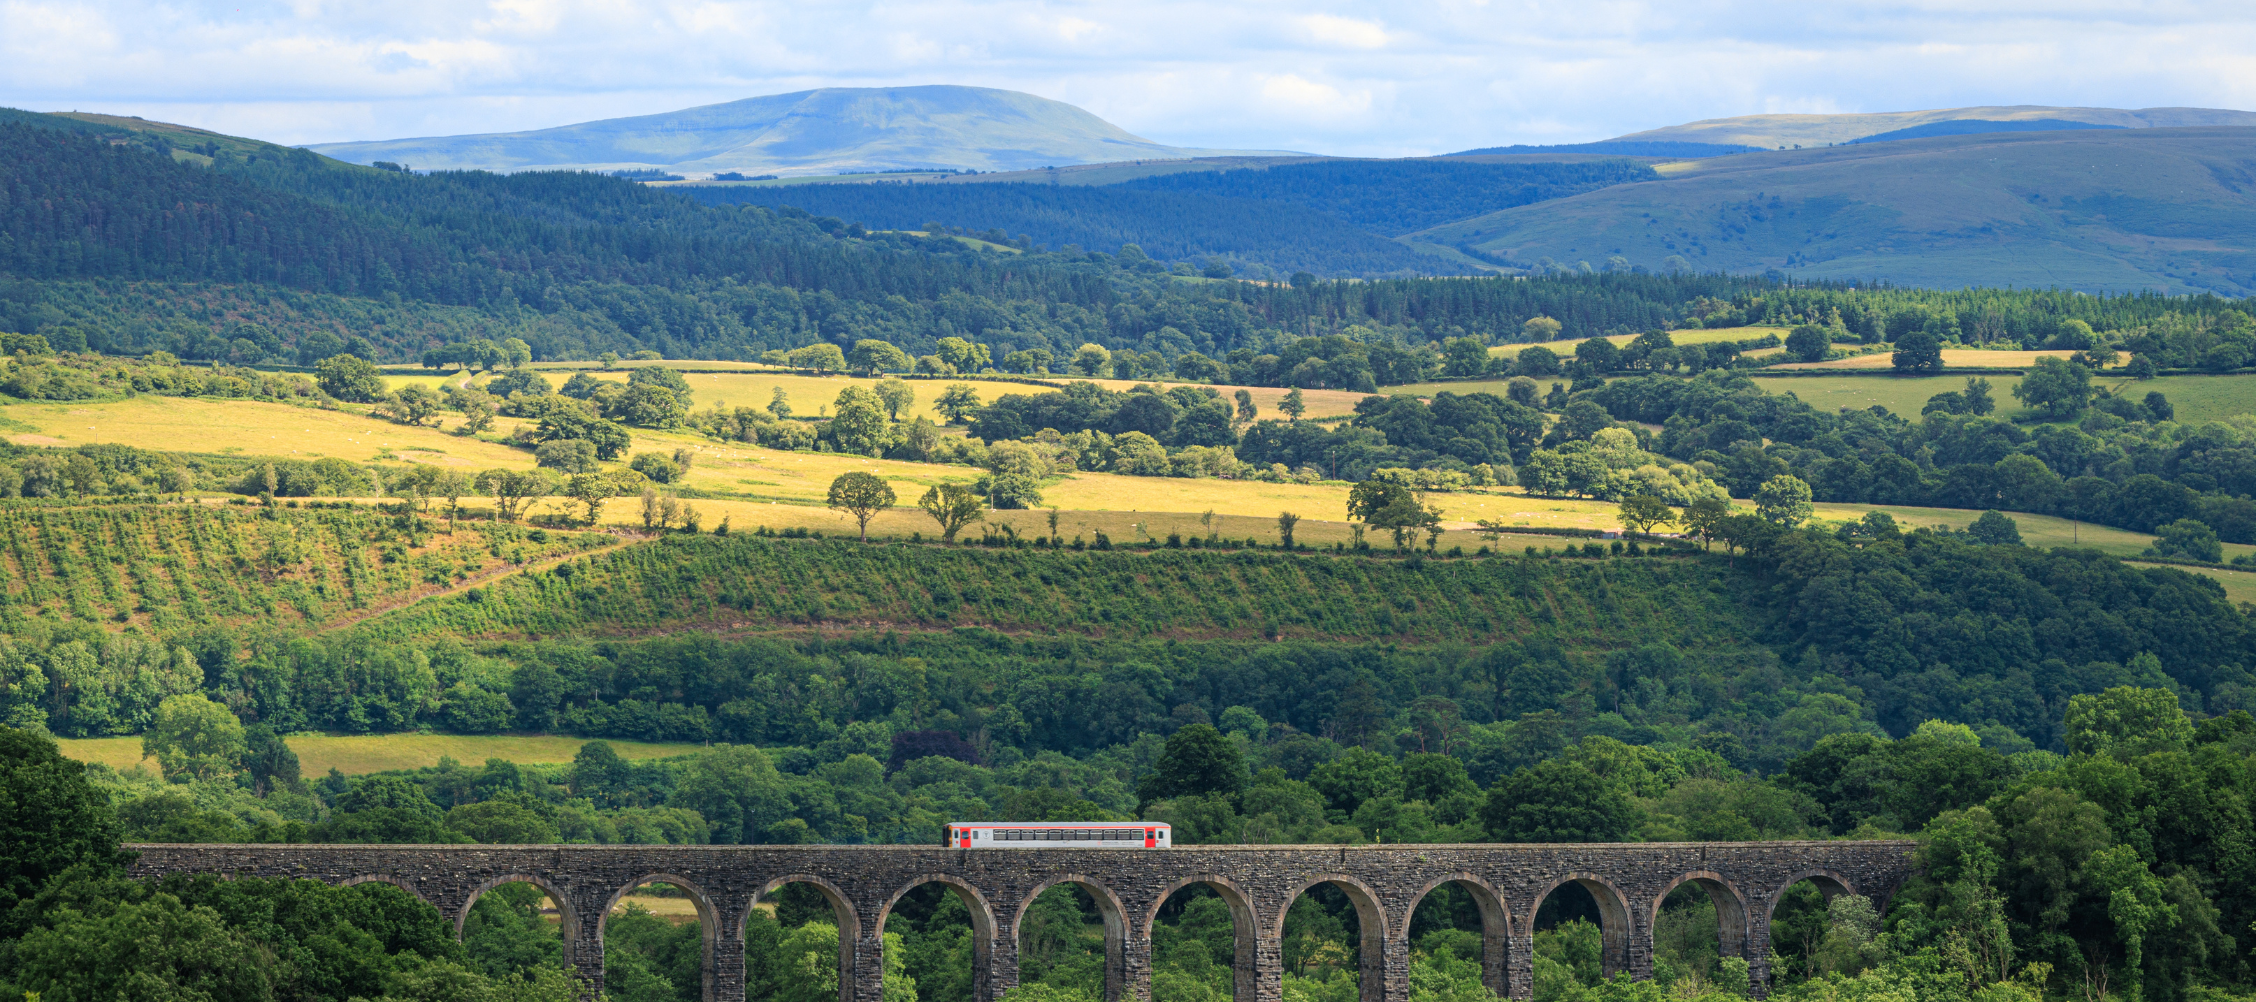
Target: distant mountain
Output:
[(1771, 132), (1665, 149), (829, 131), (2171, 209)]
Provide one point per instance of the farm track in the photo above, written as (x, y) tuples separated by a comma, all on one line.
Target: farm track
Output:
[(465, 584)]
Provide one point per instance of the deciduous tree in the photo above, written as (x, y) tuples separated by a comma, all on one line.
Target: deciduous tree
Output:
[(953, 506), (862, 496)]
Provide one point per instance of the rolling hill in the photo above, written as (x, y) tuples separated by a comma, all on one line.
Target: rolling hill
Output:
[(828, 131), (2172, 209), (1777, 131)]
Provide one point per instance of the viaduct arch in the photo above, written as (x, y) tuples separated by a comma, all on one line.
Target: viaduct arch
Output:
[(862, 882)]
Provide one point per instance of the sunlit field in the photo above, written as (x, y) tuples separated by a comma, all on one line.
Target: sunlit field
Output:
[(355, 754)]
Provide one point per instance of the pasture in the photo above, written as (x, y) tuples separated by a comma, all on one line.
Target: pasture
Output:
[(2197, 399), (2240, 586), (1565, 347), (1965, 358), (211, 425), (357, 754), (1904, 395)]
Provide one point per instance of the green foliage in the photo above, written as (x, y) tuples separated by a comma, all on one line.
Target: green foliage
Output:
[(194, 738), (1118, 593), (2126, 722), (1556, 801), (51, 818), (348, 378), (2054, 386), (1783, 501), (1198, 761), (1993, 528)]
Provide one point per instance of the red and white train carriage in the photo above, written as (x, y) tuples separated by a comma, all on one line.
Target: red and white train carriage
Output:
[(1057, 835)]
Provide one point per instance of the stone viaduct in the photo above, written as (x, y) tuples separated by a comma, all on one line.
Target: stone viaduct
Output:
[(863, 883)]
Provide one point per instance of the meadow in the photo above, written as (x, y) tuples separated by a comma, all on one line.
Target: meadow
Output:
[(2240, 586), (1903, 395), (1964, 358), (357, 754), (1565, 348), (249, 427), (810, 395)]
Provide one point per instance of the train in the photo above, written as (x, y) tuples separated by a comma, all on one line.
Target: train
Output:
[(1057, 835)]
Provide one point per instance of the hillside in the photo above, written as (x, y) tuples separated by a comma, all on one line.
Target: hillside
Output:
[(1775, 131), (2114, 210), (174, 567), (1167, 225), (828, 131)]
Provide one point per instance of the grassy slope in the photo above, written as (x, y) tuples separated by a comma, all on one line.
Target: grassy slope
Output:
[(743, 583), (166, 566), (354, 754), (2118, 211)]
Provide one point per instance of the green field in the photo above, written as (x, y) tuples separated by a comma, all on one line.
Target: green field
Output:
[(355, 754), (1565, 348), (2196, 398), (1902, 395), (2240, 586)]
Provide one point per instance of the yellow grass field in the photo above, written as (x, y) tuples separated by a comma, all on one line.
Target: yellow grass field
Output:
[(677, 910), (812, 395), (354, 754), (1960, 357), (1565, 348), (194, 424)]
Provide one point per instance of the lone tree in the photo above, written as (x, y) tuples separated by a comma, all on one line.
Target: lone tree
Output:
[(1704, 514), (953, 506), (347, 377), (194, 738), (1285, 522), (1784, 501), (861, 495), (1918, 351), (1641, 512)]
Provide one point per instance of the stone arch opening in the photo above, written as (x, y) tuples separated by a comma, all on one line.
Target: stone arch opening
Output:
[(783, 930), (517, 922), (1332, 926), (1190, 913), (1799, 915), (947, 936), (1053, 932), (1585, 898), (1464, 915), (1698, 919), (659, 928)]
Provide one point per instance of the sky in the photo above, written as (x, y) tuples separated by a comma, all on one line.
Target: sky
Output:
[(1353, 79)]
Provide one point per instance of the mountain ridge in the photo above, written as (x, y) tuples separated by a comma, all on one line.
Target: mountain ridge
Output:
[(2101, 210), (828, 130), (1773, 131)]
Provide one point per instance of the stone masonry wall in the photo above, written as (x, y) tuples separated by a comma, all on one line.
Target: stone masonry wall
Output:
[(1260, 883)]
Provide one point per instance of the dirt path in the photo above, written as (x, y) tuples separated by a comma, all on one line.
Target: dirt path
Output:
[(465, 584)]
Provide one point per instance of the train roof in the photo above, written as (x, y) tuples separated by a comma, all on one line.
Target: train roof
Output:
[(1058, 824)]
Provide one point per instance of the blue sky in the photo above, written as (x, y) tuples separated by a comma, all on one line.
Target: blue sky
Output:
[(1344, 78)]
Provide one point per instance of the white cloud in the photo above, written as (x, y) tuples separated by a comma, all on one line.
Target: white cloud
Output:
[(1336, 76), (1344, 32)]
